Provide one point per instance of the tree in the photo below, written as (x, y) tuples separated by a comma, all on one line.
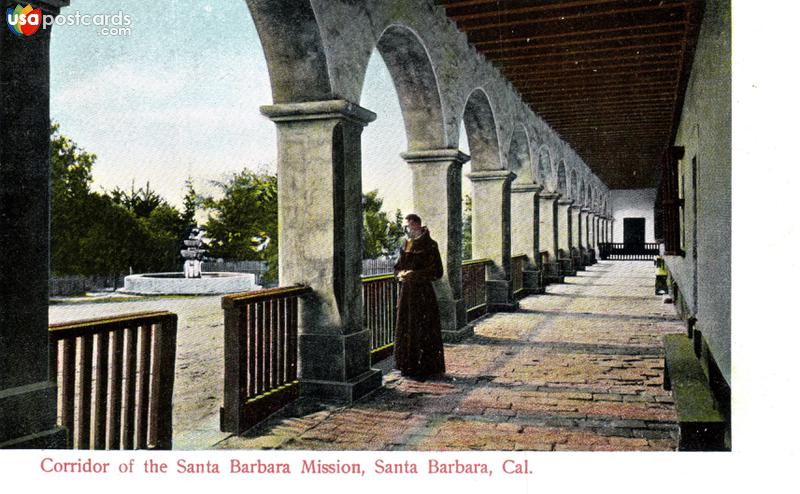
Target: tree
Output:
[(191, 201), (467, 227), (71, 178), (381, 235), (94, 233), (243, 222), (141, 202)]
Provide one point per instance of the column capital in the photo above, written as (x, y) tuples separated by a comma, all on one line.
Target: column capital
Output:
[(435, 155), (565, 202), (318, 110), (489, 175), (576, 207), (522, 187), (585, 210), (550, 196)]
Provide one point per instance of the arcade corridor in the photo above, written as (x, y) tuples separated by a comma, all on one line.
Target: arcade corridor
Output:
[(579, 368)]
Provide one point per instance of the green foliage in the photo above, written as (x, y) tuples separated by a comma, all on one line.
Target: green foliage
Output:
[(95, 233), (467, 227), (243, 222), (381, 235), (141, 202)]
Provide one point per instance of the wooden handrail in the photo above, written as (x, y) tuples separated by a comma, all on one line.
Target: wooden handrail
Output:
[(85, 327), (476, 261), (239, 299), (132, 382), (377, 277)]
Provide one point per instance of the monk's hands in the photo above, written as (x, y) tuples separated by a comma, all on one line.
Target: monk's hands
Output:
[(404, 274)]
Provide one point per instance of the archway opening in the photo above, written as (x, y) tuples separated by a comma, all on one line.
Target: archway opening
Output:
[(401, 88)]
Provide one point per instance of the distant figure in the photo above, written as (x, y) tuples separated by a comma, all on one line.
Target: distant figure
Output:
[(418, 350)]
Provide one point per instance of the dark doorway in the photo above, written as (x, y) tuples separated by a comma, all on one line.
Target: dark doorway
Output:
[(633, 231)]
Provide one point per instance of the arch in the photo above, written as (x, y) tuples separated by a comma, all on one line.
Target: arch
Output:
[(573, 185), (519, 156), (582, 193), (296, 61), (417, 88), (479, 123), (545, 168), (562, 177), (590, 198)]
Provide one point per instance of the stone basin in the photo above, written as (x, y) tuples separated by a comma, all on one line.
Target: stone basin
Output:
[(176, 284)]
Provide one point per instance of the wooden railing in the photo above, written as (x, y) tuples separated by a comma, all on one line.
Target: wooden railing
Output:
[(115, 379), (473, 282), (380, 312), (261, 348), (517, 268), (628, 252)]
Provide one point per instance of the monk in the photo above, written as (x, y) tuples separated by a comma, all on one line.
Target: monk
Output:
[(418, 349)]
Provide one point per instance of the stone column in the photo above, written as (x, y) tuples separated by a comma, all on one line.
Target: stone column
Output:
[(577, 242), (585, 224), (491, 233), (611, 230), (437, 200), (601, 225), (548, 223), (525, 232), (575, 226), (592, 234), (564, 225), (27, 386), (548, 230), (320, 218)]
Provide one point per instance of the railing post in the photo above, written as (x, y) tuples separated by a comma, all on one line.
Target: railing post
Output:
[(164, 380), (235, 380)]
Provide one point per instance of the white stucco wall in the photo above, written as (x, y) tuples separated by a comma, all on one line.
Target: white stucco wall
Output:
[(633, 203), (704, 273)]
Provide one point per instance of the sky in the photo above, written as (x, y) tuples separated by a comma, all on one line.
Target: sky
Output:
[(179, 97)]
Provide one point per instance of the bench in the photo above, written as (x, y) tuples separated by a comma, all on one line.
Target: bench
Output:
[(702, 426)]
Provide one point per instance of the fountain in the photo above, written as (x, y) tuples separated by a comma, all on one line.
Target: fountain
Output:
[(192, 281)]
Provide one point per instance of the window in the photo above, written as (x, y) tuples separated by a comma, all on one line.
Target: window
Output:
[(671, 195)]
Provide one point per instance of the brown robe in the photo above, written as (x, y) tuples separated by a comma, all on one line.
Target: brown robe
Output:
[(418, 346)]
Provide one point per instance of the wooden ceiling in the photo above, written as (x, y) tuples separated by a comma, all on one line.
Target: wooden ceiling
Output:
[(607, 75)]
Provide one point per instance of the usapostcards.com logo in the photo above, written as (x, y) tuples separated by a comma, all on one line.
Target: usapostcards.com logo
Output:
[(26, 21)]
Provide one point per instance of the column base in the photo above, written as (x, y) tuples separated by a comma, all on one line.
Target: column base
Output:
[(448, 315), (531, 281), (498, 296), (29, 417), (458, 335), (346, 392), (337, 367)]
